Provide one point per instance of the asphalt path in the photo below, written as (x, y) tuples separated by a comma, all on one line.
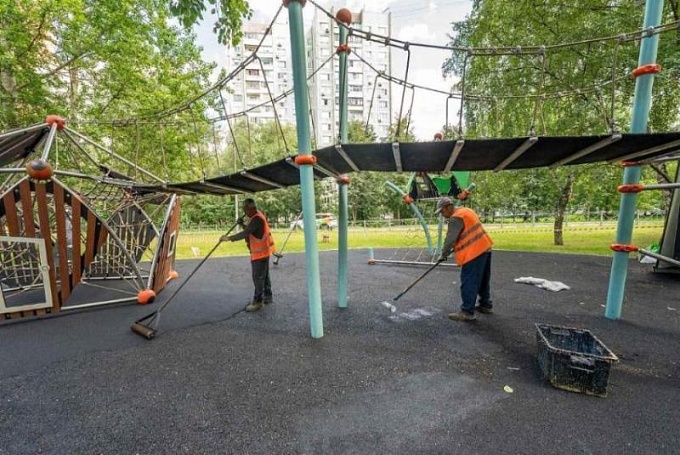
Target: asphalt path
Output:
[(219, 380)]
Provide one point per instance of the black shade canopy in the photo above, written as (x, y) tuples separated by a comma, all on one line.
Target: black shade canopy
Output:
[(443, 156), (472, 155)]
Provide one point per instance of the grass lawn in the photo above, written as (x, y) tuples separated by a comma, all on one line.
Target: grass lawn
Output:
[(578, 239)]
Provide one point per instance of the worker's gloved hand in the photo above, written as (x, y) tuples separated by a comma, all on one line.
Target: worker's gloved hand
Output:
[(241, 222), (442, 258), (463, 195), (225, 238)]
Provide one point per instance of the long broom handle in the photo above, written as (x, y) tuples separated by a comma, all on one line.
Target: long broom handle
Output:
[(416, 281), (294, 226), (195, 270)]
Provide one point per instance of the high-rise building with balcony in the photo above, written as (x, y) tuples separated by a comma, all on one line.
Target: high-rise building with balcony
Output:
[(266, 77), (369, 97)]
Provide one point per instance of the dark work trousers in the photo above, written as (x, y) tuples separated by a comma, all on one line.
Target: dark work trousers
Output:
[(263, 286), (475, 280)]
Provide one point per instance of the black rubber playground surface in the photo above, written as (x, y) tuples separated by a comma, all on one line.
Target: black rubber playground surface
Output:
[(218, 380)]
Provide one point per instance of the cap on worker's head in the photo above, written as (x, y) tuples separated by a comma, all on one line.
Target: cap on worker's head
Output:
[(441, 203)]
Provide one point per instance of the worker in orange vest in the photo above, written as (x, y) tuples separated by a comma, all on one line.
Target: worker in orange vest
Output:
[(471, 246), (260, 243)]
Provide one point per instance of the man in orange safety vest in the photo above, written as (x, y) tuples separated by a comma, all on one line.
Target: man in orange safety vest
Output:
[(471, 247), (260, 242)]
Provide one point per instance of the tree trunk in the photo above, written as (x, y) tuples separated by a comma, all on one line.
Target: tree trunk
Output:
[(561, 209)]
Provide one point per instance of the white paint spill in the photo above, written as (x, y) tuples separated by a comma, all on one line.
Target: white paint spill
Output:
[(413, 315)]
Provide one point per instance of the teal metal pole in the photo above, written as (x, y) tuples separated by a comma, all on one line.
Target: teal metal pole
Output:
[(342, 244), (297, 41), (641, 105), (343, 212)]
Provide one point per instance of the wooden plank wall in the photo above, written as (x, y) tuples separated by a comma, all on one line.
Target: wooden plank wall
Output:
[(33, 200), (166, 261)]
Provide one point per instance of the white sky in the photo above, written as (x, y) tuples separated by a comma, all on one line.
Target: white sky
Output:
[(421, 21)]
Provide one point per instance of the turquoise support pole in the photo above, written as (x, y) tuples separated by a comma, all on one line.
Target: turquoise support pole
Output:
[(641, 105), (297, 41), (342, 246), (343, 212)]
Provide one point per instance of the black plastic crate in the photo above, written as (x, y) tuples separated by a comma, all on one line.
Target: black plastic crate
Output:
[(574, 359)]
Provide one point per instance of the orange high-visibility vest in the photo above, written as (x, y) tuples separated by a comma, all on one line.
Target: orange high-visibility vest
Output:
[(473, 240), (264, 247)]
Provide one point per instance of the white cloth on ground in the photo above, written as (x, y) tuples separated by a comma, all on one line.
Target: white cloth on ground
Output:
[(543, 283)]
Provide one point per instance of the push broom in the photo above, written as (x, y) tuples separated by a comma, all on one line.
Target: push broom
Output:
[(390, 306), (279, 254), (149, 328)]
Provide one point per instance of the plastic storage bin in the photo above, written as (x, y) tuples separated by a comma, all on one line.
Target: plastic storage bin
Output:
[(574, 359)]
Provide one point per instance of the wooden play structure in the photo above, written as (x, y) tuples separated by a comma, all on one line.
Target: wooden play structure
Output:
[(74, 232)]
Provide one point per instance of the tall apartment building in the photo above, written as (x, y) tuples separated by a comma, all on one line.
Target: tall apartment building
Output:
[(369, 98), (250, 90)]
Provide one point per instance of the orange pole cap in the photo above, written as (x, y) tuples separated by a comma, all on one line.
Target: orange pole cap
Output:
[(301, 2), (344, 15)]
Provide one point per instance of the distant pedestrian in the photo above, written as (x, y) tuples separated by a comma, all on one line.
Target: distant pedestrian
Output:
[(471, 246), (260, 243)]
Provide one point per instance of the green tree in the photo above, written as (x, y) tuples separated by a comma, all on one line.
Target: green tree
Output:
[(365, 188), (229, 16), (401, 130), (92, 62), (257, 144), (553, 90)]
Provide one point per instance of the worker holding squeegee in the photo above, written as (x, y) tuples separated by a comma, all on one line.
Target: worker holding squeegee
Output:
[(260, 242), (471, 246)]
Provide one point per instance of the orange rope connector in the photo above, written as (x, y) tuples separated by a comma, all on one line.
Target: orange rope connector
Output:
[(146, 296), (408, 200), (343, 48), (629, 163), (344, 180), (55, 119), (39, 170), (173, 275), (623, 248), (371, 262), (630, 188), (305, 159), (650, 68)]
